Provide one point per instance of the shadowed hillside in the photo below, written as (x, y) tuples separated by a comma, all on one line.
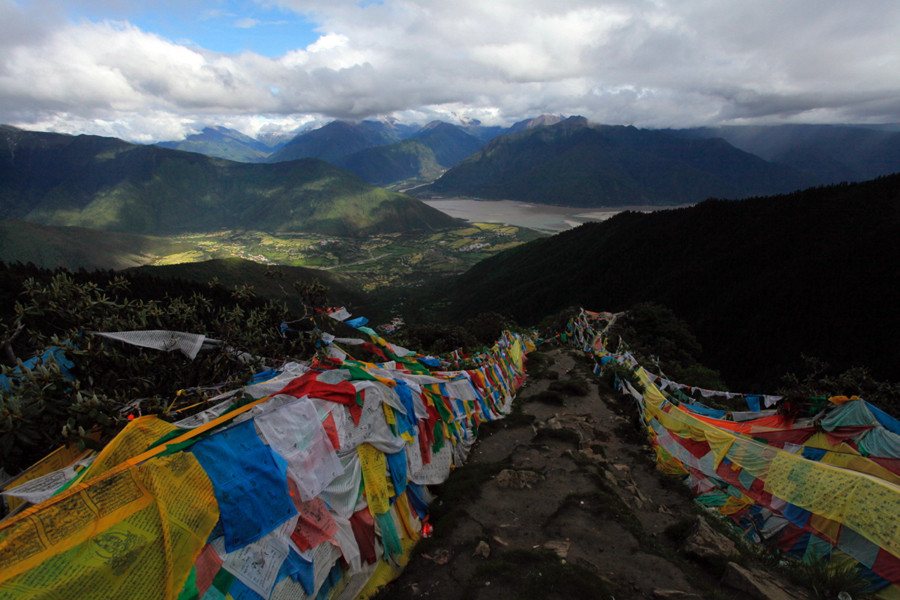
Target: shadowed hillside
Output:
[(829, 153), (574, 163), (268, 282), (759, 281), (79, 247), (433, 149)]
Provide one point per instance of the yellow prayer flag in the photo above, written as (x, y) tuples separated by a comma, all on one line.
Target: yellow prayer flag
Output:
[(132, 533), (133, 440), (374, 471)]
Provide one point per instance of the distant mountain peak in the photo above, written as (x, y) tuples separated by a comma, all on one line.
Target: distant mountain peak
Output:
[(467, 121), (541, 121), (222, 142), (434, 125)]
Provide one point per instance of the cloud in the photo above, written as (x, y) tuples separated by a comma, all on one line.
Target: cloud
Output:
[(652, 63), (246, 23)]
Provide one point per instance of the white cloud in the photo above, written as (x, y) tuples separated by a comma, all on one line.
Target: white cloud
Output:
[(651, 63)]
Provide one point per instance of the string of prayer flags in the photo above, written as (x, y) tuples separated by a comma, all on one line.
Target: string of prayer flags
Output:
[(822, 484), (308, 482)]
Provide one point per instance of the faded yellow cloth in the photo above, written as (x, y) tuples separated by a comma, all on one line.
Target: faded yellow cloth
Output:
[(374, 471), (130, 533), (842, 399), (133, 440), (868, 505), (386, 572), (516, 354)]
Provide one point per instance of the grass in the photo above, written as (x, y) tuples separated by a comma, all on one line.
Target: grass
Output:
[(630, 433), (825, 579), (443, 527), (446, 511), (679, 530), (606, 503), (464, 484), (512, 420), (538, 366)]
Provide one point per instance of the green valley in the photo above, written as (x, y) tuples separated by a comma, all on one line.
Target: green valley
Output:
[(376, 261)]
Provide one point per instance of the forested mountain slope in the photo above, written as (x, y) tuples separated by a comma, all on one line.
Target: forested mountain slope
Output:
[(109, 184), (575, 163), (760, 281)]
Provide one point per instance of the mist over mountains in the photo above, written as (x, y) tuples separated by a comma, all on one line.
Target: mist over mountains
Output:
[(827, 153)]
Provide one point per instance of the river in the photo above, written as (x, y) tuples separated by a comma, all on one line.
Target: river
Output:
[(540, 217)]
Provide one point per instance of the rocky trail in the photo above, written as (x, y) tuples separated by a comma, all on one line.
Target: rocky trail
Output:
[(562, 500)]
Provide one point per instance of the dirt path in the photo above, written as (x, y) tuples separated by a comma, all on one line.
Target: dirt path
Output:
[(562, 500), (372, 258)]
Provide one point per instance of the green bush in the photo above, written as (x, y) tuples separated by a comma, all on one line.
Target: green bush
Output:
[(818, 379), (110, 380), (661, 342), (612, 371), (826, 579)]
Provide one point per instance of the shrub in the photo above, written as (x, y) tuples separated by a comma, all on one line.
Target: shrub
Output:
[(42, 407), (818, 379), (826, 578), (613, 371)]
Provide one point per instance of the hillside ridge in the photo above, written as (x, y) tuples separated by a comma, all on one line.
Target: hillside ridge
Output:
[(108, 184), (754, 279)]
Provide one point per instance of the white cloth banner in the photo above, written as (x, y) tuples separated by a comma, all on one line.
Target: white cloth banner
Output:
[(295, 432), (188, 343)]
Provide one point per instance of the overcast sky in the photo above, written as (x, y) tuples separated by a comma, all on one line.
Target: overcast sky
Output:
[(145, 71)]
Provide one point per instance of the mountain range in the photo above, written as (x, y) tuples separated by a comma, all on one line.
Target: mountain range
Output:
[(338, 139), (222, 142), (431, 151), (553, 160), (576, 163), (827, 153), (380, 152), (108, 184)]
